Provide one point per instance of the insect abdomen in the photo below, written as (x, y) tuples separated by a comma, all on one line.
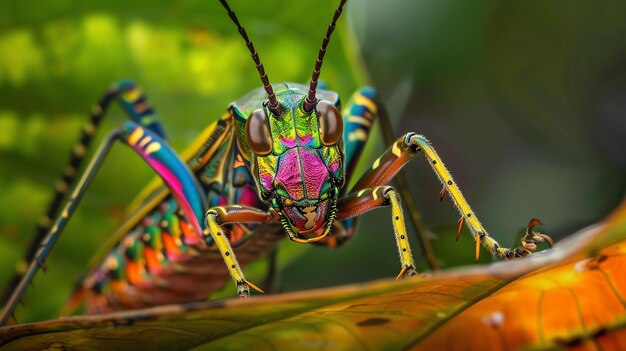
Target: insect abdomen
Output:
[(160, 259)]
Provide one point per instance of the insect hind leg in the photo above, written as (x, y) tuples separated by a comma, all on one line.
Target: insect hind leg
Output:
[(47, 241), (175, 174), (135, 104)]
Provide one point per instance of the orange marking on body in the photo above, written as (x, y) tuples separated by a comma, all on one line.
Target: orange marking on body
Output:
[(189, 235), (152, 260), (238, 162), (117, 287), (171, 248), (125, 293), (134, 272)]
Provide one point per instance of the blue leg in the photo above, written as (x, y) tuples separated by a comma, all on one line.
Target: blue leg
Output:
[(135, 103), (359, 116)]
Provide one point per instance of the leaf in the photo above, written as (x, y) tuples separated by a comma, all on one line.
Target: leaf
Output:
[(571, 296)]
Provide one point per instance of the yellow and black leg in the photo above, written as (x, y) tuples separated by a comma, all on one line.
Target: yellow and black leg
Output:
[(402, 151), (214, 234), (357, 203), (403, 187), (360, 113)]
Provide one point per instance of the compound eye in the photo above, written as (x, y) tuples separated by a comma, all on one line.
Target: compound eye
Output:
[(258, 133), (330, 122)]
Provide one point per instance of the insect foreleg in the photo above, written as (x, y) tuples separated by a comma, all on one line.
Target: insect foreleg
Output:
[(361, 112), (355, 204), (403, 188), (401, 152), (217, 216)]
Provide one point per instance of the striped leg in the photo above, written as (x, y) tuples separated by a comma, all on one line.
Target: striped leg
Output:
[(135, 105), (402, 151), (153, 150), (217, 216), (357, 203), (359, 116)]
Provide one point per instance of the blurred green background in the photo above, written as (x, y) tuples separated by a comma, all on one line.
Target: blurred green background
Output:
[(524, 101)]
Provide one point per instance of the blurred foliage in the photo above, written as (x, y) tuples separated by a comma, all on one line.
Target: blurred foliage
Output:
[(523, 100)]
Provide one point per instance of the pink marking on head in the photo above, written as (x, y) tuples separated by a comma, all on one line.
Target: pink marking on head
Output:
[(267, 180), (315, 173), (289, 143), (289, 174), (304, 140), (334, 166)]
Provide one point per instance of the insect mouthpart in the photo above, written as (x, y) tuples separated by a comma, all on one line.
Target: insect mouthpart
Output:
[(307, 218), (313, 218)]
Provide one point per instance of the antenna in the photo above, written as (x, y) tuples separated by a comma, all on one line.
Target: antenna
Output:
[(273, 104), (311, 100)]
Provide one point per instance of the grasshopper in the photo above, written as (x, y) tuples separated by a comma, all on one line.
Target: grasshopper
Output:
[(276, 163)]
